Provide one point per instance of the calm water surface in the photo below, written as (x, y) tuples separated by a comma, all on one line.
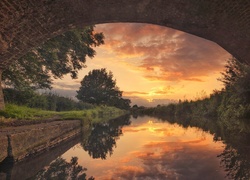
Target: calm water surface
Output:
[(132, 148), (145, 148)]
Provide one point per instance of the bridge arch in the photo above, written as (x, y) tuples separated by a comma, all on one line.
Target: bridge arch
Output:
[(25, 24)]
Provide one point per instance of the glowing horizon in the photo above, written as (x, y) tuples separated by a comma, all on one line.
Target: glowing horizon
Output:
[(154, 64)]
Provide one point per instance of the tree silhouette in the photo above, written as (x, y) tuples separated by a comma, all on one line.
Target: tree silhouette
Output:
[(99, 87), (60, 169), (103, 137)]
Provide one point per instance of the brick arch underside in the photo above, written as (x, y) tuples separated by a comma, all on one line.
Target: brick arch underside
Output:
[(25, 24)]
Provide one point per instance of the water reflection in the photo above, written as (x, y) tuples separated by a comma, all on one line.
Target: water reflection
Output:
[(61, 169), (237, 165), (235, 157), (103, 137), (30, 166), (144, 148), (150, 149), (7, 164)]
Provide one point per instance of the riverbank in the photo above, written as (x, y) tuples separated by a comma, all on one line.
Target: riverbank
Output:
[(27, 131), (23, 141), (34, 130), (14, 115)]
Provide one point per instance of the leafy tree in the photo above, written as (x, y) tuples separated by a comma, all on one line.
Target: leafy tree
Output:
[(46, 101), (120, 103), (63, 54), (236, 97), (99, 87), (234, 70)]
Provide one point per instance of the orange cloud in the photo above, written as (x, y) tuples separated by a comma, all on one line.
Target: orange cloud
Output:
[(173, 160), (132, 93), (178, 55), (165, 90)]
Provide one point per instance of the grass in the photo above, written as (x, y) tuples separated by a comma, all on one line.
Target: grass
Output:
[(98, 114), (22, 112)]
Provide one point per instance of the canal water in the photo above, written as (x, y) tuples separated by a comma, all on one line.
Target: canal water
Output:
[(140, 148), (150, 149)]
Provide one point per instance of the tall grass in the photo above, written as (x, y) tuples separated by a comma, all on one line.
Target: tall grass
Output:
[(97, 114), (22, 112)]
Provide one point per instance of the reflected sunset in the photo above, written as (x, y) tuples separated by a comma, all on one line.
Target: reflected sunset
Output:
[(152, 149), (153, 64)]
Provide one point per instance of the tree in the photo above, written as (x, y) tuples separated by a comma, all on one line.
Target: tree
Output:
[(234, 70), (61, 169), (236, 96), (99, 87), (63, 54)]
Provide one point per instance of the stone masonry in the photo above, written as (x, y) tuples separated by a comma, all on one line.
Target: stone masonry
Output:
[(26, 24)]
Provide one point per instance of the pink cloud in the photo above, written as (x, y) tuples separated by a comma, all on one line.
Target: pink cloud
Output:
[(178, 55), (172, 160)]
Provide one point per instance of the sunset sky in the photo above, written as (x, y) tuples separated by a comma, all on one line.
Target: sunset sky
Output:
[(153, 64)]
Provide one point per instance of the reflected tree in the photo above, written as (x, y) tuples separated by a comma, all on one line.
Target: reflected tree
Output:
[(103, 137), (61, 169), (235, 158), (236, 165), (7, 164)]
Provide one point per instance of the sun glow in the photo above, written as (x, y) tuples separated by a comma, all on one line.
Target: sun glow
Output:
[(156, 64), (151, 127)]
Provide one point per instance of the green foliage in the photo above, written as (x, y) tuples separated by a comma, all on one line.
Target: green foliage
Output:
[(23, 112), (60, 55), (18, 97), (98, 114), (47, 101), (230, 106), (233, 71), (236, 98), (31, 105), (102, 113), (99, 87)]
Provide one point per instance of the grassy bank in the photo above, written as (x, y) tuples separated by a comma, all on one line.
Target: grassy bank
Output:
[(99, 113)]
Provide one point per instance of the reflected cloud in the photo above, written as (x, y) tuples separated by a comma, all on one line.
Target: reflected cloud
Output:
[(168, 160), (151, 127), (185, 153)]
